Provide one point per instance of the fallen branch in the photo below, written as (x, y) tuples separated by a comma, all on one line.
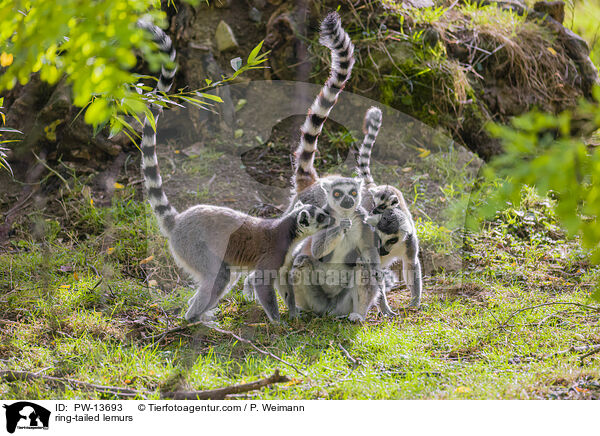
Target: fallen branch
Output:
[(226, 332), (556, 303), (213, 394), (11, 376), (591, 349), (221, 393)]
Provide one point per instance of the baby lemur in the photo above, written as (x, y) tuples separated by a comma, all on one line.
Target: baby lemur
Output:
[(390, 216), (207, 240)]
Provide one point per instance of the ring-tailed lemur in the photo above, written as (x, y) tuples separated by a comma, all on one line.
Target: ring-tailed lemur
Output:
[(351, 244), (307, 187), (319, 298), (207, 240), (390, 216)]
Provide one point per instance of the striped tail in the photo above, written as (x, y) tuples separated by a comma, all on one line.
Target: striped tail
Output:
[(337, 40), (167, 72), (370, 129), (165, 213)]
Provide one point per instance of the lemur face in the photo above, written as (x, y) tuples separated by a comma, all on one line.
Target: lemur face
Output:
[(384, 199), (393, 227), (343, 194), (311, 219), (389, 219)]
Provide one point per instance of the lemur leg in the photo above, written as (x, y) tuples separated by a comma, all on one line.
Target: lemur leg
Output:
[(366, 291), (286, 290), (208, 294), (389, 279), (383, 305), (411, 271), (263, 285), (248, 289), (304, 278)]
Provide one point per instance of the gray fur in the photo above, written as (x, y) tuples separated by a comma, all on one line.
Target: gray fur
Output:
[(391, 217), (207, 241)]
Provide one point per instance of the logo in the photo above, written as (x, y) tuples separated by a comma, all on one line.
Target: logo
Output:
[(26, 415)]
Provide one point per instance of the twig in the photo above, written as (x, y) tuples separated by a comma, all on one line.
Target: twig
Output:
[(52, 171), (11, 376), (213, 394), (226, 332), (221, 393), (591, 349), (355, 362), (512, 315)]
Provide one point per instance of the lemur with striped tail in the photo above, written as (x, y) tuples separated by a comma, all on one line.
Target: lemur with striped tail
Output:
[(318, 297), (390, 216), (352, 238), (207, 241)]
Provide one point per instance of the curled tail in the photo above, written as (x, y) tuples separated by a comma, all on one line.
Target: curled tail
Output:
[(370, 129), (165, 213), (337, 40)]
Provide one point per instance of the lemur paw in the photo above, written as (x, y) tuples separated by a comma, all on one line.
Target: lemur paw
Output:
[(355, 317), (414, 304), (301, 261), (345, 223)]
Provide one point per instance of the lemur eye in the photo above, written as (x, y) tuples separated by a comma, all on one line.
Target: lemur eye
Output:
[(395, 201), (392, 241), (337, 194), (320, 218), (354, 193)]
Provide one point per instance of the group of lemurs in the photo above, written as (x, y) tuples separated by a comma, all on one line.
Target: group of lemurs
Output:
[(329, 253)]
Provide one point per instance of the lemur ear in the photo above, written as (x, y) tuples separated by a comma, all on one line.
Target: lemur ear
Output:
[(303, 218), (360, 181), (326, 184)]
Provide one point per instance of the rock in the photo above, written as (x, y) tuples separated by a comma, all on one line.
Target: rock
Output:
[(556, 9), (259, 4), (255, 15), (225, 38)]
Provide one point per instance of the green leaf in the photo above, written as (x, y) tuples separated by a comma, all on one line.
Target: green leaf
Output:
[(212, 97), (98, 112), (254, 53)]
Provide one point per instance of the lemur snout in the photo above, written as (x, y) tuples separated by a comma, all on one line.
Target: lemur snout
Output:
[(347, 203)]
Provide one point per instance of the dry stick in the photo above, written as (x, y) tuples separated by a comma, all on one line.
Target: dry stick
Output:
[(11, 376), (592, 349), (512, 315), (213, 394), (52, 171), (221, 393), (226, 332)]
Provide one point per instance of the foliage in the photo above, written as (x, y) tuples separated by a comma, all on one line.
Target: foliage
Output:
[(93, 44), (3, 162), (541, 151)]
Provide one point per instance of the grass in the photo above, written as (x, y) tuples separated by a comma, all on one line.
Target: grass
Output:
[(61, 318)]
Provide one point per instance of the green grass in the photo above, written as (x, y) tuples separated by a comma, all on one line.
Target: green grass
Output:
[(60, 319)]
